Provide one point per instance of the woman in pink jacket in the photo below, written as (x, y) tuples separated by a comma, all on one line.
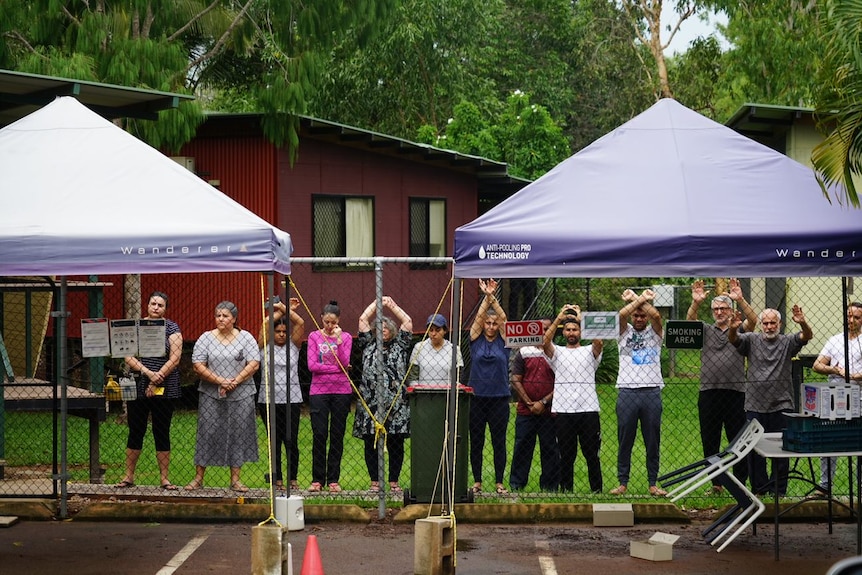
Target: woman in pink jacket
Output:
[(329, 398)]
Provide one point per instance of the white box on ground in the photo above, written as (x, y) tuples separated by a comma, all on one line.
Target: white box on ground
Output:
[(613, 515), (290, 512), (659, 547), (828, 401)]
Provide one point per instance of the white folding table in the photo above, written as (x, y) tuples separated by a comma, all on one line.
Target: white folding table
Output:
[(771, 446)]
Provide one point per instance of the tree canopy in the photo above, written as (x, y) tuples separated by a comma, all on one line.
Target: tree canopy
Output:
[(452, 72), (275, 50)]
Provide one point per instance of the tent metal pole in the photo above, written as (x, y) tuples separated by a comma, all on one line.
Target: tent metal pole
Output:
[(448, 507), (381, 384), (268, 383), (63, 380)]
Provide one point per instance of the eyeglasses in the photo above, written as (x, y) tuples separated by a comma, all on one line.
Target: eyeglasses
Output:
[(724, 308)]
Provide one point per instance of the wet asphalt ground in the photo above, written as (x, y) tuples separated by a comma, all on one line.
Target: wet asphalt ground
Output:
[(86, 547)]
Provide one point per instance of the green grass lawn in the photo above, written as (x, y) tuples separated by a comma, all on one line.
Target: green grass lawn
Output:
[(28, 442)]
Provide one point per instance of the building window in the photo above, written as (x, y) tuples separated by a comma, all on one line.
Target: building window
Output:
[(343, 227), (427, 228)]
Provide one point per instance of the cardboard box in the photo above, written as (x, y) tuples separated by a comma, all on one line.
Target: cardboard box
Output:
[(830, 401), (613, 515), (659, 547)]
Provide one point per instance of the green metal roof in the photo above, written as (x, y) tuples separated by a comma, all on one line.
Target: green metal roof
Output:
[(22, 94), (766, 123), (495, 183)]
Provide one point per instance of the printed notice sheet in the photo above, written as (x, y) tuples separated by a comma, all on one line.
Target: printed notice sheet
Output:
[(151, 337), (95, 341), (124, 337)]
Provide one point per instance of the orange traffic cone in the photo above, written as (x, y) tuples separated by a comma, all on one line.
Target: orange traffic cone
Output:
[(311, 564)]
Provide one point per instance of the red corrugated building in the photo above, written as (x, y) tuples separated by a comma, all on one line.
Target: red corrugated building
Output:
[(338, 168)]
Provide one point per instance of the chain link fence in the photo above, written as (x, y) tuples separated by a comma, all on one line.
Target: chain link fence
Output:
[(366, 368)]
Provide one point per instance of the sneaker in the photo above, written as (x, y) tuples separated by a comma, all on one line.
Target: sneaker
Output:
[(619, 490), (714, 490)]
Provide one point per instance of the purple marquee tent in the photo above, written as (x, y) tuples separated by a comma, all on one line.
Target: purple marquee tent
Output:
[(669, 193)]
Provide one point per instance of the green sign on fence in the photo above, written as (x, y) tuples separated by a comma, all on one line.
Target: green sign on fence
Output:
[(683, 334)]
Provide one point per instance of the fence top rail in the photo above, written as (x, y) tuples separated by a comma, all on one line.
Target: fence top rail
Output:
[(372, 260)]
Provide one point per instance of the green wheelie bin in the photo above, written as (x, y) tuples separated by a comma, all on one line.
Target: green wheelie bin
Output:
[(428, 413)]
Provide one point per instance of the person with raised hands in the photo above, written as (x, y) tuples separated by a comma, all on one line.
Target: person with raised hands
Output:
[(575, 399), (381, 387), (639, 385), (489, 378)]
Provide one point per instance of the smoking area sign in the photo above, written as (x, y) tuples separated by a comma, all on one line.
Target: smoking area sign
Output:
[(524, 333), (683, 335)]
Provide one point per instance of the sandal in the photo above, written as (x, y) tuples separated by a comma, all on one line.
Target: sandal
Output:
[(500, 489), (656, 491), (619, 490), (279, 485), (294, 485), (168, 486), (239, 487), (194, 485), (124, 484), (375, 487), (314, 487), (334, 487), (477, 488), (394, 487)]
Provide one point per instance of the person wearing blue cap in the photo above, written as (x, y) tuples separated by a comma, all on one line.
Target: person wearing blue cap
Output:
[(432, 357)]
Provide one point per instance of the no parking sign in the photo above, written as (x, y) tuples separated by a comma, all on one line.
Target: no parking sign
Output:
[(524, 333)]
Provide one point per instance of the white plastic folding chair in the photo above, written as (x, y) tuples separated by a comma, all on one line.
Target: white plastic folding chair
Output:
[(693, 476), (748, 508)]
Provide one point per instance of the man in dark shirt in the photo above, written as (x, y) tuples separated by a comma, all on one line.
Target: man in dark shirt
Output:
[(533, 381)]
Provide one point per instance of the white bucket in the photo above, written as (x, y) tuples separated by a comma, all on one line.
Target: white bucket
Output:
[(289, 511)]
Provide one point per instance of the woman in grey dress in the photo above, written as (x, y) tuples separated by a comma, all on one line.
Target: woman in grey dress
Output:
[(225, 358)]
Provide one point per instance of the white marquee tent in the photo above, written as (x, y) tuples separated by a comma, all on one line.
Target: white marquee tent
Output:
[(82, 196)]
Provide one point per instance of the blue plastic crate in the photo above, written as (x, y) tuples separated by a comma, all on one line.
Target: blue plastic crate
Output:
[(797, 422), (815, 435)]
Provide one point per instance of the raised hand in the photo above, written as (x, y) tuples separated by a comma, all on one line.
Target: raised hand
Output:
[(489, 287), (736, 319), (629, 295), (570, 309), (698, 294), (735, 292), (798, 316)]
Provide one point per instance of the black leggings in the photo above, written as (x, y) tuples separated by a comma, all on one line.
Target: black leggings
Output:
[(139, 411), (395, 447), (282, 439)]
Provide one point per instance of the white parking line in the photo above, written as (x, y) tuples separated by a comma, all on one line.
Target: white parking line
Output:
[(546, 562), (184, 553)]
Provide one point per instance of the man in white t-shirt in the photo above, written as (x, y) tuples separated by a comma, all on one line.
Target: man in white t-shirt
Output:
[(576, 402), (639, 382), (831, 362)]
